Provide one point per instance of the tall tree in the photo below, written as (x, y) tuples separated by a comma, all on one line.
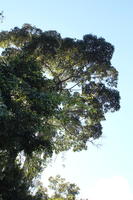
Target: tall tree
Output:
[(54, 94)]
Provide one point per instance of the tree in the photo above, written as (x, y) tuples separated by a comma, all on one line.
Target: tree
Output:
[(54, 94), (61, 188)]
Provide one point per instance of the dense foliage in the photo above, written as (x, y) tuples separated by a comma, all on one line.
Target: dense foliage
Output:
[(54, 93)]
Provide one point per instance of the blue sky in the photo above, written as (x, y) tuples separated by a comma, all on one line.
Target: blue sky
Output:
[(110, 166)]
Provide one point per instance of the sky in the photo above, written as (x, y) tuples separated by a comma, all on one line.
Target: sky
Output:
[(104, 172)]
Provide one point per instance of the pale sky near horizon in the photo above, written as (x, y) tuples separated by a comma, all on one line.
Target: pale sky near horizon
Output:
[(106, 172)]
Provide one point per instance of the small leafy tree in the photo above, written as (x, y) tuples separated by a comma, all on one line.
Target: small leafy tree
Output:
[(62, 189), (54, 94)]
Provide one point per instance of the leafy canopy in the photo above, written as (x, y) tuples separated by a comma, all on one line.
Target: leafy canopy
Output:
[(54, 94), (39, 71)]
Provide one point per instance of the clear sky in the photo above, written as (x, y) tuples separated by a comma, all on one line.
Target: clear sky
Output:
[(107, 172)]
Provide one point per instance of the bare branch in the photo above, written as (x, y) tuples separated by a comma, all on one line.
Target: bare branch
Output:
[(74, 85)]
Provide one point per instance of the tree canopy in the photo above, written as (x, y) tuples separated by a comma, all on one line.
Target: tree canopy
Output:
[(54, 94)]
